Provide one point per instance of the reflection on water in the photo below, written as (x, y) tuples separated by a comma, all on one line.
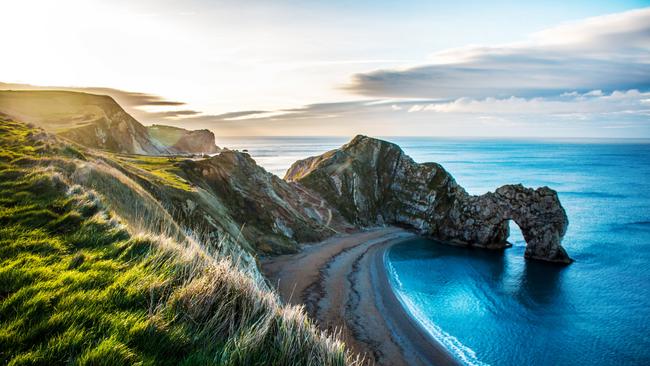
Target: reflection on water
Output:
[(539, 283)]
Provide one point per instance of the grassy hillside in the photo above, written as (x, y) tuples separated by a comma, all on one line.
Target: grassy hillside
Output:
[(97, 121), (228, 200), (81, 285), (55, 111)]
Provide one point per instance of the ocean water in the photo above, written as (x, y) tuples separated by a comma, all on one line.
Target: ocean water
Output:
[(276, 154), (495, 307)]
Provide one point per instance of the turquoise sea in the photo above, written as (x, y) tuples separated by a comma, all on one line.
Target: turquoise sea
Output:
[(495, 307)]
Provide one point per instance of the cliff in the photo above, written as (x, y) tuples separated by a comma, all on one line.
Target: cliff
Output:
[(94, 270), (228, 200), (373, 182), (235, 207), (97, 121), (180, 140), (366, 182), (271, 214)]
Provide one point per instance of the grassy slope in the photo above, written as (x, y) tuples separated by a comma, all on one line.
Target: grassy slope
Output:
[(162, 168), (55, 111), (78, 287)]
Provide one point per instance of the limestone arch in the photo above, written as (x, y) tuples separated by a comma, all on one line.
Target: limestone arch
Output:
[(540, 217)]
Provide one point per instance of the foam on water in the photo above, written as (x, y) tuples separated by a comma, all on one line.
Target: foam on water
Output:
[(463, 353)]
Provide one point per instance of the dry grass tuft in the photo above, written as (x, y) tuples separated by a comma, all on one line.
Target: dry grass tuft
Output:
[(81, 285)]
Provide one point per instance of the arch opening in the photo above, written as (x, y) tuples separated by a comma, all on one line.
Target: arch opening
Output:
[(515, 235)]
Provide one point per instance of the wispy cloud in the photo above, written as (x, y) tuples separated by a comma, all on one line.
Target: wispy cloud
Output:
[(568, 105), (174, 114), (231, 115), (588, 78), (604, 53)]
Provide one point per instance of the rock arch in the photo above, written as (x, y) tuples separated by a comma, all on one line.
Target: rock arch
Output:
[(372, 182), (483, 221), (541, 218)]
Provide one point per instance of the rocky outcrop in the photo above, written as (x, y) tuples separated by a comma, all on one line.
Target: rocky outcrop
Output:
[(373, 182), (182, 141), (483, 220), (273, 215), (116, 131), (98, 122)]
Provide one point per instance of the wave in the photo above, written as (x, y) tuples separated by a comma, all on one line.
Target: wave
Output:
[(631, 226), (592, 194), (462, 352), (639, 223)]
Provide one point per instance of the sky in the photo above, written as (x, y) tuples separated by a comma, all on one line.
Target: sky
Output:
[(342, 67)]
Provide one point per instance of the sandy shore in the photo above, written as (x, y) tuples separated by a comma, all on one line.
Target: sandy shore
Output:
[(344, 285)]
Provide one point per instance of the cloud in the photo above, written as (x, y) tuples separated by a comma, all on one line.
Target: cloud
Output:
[(593, 113), (589, 78), (568, 105), (231, 115), (425, 115), (603, 53), (170, 114)]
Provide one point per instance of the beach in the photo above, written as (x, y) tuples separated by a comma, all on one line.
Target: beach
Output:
[(344, 286)]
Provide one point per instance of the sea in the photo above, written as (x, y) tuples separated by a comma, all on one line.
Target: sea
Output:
[(495, 307)]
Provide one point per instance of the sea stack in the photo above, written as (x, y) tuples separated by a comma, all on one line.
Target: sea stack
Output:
[(373, 182)]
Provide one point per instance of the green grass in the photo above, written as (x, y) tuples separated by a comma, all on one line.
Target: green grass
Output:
[(74, 285), (78, 287), (16, 141), (161, 168)]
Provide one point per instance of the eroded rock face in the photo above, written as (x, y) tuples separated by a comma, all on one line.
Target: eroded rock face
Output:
[(483, 220), (182, 141), (373, 182), (272, 214)]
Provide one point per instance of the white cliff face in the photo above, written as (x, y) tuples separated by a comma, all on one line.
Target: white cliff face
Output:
[(373, 182)]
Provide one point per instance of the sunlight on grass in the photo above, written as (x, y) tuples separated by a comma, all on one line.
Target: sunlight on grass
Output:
[(162, 168), (77, 287)]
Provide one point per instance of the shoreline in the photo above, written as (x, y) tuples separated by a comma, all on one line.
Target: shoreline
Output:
[(345, 286)]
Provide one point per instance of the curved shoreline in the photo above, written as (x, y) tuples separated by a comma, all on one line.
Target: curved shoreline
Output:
[(345, 285), (418, 335)]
